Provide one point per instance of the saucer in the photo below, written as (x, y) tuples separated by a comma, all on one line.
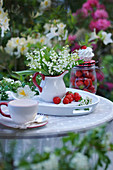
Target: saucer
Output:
[(39, 121)]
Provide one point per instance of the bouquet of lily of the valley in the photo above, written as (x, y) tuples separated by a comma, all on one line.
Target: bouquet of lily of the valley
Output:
[(51, 61)]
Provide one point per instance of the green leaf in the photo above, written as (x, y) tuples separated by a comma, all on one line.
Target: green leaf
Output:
[(25, 72)]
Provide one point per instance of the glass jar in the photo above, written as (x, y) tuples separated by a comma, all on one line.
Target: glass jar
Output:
[(83, 77)]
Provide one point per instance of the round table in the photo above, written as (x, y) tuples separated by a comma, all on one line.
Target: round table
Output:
[(50, 135), (60, 126)]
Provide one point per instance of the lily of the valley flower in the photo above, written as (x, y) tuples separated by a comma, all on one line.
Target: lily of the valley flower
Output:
[(106, 37), (25, 92), (55, 63)]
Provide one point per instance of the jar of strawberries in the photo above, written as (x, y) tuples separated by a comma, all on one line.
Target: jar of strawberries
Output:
[(83, 77)]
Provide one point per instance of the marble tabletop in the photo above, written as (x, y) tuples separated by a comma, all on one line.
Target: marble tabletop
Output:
[(60, 126)]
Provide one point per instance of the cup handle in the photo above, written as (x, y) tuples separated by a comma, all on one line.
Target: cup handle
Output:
[(4, 103), (34, 80)]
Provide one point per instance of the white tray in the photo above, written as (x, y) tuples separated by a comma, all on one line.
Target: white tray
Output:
[(68, 109)]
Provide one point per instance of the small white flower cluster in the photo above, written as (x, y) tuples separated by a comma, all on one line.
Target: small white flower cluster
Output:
[(50, 164), (86, 101), (11, 81), (56, 28), (79, 162), (4, 21), (54, 63)]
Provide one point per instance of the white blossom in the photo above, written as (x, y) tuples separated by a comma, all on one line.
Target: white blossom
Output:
[(9, 80), (18, 82), (47, 27), (79, 162), (106, 37), (1, 2), (25, 92), (52, 33), (4, 21), (61, 27), (93, 36), (18, 46), (45, 4)]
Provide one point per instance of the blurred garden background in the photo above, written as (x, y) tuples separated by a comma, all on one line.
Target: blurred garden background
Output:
[(27, 24)]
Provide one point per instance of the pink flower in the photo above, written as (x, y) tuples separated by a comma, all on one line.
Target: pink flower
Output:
[(101, 6), (93, 3), (100, 76), (90, 4), (100, 24), (82, 12), (87, 6), (100, 13), (92, 25), (75, 47), (78, 12), (74, 14), (109, 85), (71, 38), (94, 46)]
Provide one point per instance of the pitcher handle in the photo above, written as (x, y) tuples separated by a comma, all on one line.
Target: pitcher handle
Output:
[(34, 80), (3, 114)]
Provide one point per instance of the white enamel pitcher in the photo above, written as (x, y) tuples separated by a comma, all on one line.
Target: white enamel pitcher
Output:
[(51, 86)]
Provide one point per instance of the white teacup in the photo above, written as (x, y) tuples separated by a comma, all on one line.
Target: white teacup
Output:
[(21, 111)]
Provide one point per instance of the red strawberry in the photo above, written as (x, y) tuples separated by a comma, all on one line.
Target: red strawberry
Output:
[(78, 73), (65, 100), (92, 89), (90, 75), (83, 47), (88, 82), (77, 97), (85, 73), (86, 90), (80, 84), (70, 93), (69, 97), (56, 100)]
